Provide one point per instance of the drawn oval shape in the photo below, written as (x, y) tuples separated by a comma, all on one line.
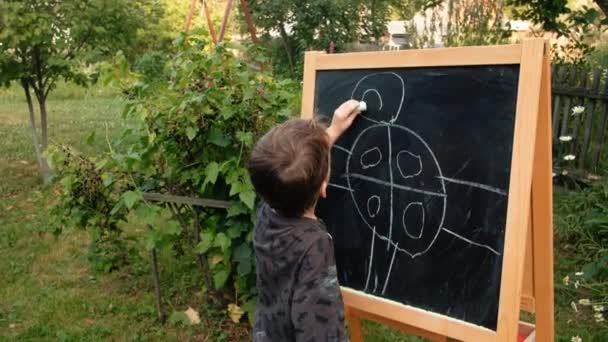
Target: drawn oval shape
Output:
[(409, 164), (373, 206), (373, 91), (413, 220), (371, 158)]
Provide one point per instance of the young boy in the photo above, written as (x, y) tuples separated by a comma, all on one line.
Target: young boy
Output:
[(298, 293)]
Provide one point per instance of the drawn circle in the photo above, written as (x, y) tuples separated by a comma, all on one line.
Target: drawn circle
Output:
[(431, 228), (374, 91), (371, 158), (412, 209), (367, 95), (373, 205), (409, 164)]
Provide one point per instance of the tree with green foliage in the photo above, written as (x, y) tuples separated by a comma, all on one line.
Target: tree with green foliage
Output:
[(166, 19), (44, 41), (476, 23), (313, 24), (550, 13), (461, 23), (581, 26)]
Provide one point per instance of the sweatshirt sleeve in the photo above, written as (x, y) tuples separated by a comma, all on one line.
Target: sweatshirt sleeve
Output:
[(317, 310)]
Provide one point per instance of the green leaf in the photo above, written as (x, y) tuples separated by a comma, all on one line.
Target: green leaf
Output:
[(148, 214), (206, 243), (211, 172), (235, 231), (249, 307), (248, 197), (67, 182), (218, 138), (132, 197), (171, 227), (179, 317), (222, 241), (107, 179), (150, 240), (236, 187), (237, 208), (191, 132), (244, 268), (220, 277), (90, 139), (242, 253), (245, 137)]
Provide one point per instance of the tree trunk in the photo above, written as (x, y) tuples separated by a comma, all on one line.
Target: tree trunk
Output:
[(43, 121), (156, 276), (42, 164), (287, 46)]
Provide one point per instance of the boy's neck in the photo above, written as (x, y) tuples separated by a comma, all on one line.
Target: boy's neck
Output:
[(310, 213)]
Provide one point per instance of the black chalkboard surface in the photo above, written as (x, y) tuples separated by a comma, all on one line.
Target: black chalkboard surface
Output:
[(419, 184)]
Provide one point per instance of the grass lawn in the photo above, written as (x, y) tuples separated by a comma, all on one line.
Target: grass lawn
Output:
[(48, 291)]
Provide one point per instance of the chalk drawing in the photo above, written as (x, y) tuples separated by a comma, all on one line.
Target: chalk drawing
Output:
[(409, 165), (338, 147), (373, 205), (339, 187), (377, 93), (371, 158), (390, 268), (417, 162), (476, 185), (407, 209), (472, 242)]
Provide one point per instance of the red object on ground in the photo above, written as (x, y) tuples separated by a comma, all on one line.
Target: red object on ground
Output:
[(521, 338)]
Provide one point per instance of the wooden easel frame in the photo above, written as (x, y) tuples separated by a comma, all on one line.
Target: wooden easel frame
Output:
[(527, 273)]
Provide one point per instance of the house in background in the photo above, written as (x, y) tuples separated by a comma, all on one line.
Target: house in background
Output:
[(396, 37)]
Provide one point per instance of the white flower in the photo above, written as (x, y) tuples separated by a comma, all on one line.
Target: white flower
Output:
[(565, 138), (577, 110), (598, 308), (579, 274), (554, 174), (576, 284), (574, 307), (576, 339), (570, 157), (584, 301), (598, 317), (564, 172), (566, 280)]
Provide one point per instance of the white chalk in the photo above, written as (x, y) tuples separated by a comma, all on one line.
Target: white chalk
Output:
[(362, 106)]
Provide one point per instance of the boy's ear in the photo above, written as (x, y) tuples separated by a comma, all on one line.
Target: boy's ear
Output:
[(323, 190)]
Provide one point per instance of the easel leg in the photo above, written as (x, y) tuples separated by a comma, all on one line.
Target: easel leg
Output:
[(542, 214), (354, 325)]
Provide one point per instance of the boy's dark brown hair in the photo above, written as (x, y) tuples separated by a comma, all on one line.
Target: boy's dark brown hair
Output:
[(288, 165)]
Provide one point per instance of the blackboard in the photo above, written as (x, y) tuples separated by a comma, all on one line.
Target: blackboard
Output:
[(419, 184)]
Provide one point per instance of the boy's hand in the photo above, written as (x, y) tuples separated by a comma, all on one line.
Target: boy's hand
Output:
[(343, 118)]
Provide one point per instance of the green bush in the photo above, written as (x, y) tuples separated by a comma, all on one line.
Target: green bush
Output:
[(88, 201), (598, 58), (581, 221), (198, 120), (586, 224)]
